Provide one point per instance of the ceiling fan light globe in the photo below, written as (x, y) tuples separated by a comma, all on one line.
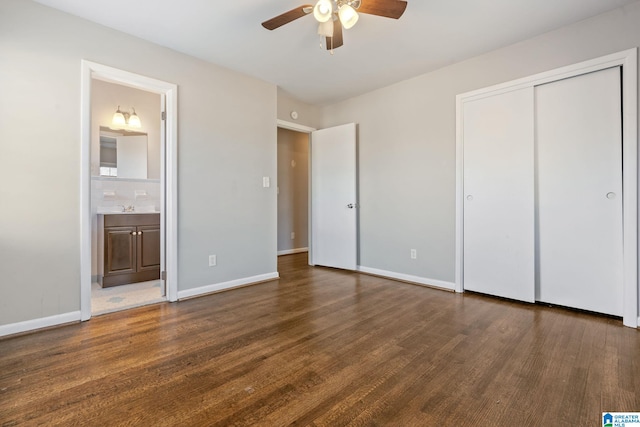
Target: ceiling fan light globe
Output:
[(348, 16), (323, 11), (326, 28)]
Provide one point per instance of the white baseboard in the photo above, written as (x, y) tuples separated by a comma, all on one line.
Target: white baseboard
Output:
[(408, 278), (293, 251), (189, 293), (43, 322)]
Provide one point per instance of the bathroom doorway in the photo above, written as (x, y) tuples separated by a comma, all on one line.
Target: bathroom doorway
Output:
[(125, 197), (129, 191)]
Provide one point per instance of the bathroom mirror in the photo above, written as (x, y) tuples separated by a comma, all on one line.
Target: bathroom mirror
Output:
[(123, 154)]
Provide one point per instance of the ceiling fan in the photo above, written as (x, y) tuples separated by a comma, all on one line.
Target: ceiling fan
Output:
[(333, 15)]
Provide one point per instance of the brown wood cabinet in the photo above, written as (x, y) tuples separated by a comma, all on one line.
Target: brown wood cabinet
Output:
[(131, 249)]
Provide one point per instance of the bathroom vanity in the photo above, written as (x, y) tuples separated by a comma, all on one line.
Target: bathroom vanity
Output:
[(128, 248)]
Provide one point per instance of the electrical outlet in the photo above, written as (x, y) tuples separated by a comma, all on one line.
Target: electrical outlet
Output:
[(213, 260), (293, 235), (414, 254)]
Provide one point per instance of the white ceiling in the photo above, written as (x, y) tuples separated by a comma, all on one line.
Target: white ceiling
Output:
[(376, 52)]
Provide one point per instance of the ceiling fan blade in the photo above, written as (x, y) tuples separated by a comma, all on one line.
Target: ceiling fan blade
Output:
[(387, 8), (287, 17), (335, 41)]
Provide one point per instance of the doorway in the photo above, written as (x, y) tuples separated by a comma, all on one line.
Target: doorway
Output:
[(293, 192), (139, 192), (332, 194), (125, 198), (288, 214)]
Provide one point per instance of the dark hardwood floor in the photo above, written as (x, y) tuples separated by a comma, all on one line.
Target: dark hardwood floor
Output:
[(324, 347)]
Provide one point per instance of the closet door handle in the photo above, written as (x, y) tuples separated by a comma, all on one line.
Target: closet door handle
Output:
[(611, 196)]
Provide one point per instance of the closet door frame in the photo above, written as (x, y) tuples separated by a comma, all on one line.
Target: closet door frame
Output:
[(628, 61)]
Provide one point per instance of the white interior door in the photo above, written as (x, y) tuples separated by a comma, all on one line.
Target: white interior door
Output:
[(498, 255), (334, 197), (579, 185)]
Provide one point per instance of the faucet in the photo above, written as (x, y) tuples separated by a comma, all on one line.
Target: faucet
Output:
[(129, 208)]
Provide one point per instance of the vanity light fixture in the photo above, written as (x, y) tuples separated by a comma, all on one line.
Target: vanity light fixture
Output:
[(125, 118)]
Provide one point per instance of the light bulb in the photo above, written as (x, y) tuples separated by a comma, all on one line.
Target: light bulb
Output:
[(134, 120), (348, 16), (118, 118), (323, 10)]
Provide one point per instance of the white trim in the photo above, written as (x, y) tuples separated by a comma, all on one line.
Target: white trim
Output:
[(293, 251), (42, 322), (85, 192), (434, 283), (91, 70), (294, 126), (208, 289), (628, 60)]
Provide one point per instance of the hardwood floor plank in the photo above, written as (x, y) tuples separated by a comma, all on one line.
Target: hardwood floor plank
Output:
[(324, 347)]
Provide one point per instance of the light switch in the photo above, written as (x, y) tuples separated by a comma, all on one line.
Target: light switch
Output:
[(266, 182)]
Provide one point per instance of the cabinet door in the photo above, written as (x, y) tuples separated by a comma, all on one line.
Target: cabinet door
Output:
[(120, 250), (499, 195), (148, 247)]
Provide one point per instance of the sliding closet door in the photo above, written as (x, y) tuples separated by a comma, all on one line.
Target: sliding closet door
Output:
[(498, 254), (579, 186)]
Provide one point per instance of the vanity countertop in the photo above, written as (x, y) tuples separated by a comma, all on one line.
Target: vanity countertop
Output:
[(127, 213), (109, 212)]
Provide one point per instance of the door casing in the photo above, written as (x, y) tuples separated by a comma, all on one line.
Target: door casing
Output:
[(168, 181)]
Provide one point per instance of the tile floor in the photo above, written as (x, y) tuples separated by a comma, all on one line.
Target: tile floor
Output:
[(116, 298)]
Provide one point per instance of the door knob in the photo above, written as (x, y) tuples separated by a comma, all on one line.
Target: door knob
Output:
[(469, 197), (351, 205), (611, 196)]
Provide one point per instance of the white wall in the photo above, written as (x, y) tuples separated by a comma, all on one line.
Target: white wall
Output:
[(226, 144), (308, 115), (407, 141)]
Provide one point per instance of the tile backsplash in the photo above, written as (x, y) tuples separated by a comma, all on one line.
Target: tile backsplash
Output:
[(107, 193)]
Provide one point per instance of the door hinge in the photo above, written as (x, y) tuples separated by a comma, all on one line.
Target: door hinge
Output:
[(163, 275), (164, 115)]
